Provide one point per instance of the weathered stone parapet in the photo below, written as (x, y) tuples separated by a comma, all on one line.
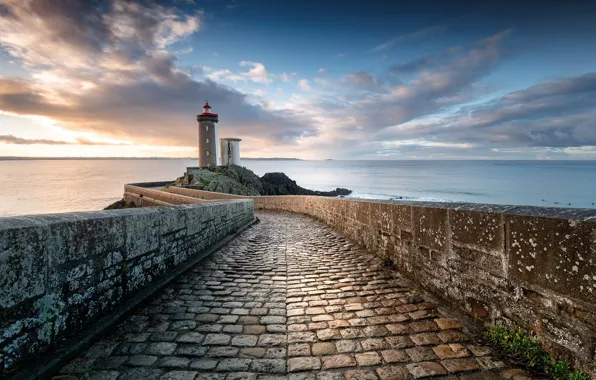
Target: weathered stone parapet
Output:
[(61, 272), (161, 196), (533, 267), (200, 194)]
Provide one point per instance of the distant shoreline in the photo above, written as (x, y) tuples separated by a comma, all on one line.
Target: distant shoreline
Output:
[(15, 158), (11, 158)]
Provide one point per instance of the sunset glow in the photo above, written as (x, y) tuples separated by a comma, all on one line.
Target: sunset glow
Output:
[(127, 78)]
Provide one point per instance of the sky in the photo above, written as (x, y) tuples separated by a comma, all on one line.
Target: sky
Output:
[(425, 79)]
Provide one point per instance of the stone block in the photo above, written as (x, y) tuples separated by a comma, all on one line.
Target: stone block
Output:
[(477, 308), (78, 236), (430, 227), (361, 211), (555, 254), (481, 230), (379, 219), (401, 219), (573, 338), (173, 233), (142, 232), (481, 260), (303, 364), (196, 216), (23, 259), (81, 245)]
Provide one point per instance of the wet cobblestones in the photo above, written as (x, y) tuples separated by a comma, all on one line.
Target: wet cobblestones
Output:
[(288, 299)]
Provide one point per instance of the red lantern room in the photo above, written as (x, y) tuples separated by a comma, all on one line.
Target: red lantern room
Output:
[(207, 110)]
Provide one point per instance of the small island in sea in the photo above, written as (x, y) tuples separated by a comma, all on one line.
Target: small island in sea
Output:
[(234, 179)]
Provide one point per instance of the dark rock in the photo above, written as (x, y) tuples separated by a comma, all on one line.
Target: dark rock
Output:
[(119, 205), (244, 176), (281, 184)]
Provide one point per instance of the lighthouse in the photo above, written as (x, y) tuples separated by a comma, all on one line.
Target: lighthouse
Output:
[(207, 137)]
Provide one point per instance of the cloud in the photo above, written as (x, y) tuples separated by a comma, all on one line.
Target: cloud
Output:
[(160, 111), (413, 66), (425, 112), (429, 91), (361, 80), (77, 34), (304, 86), (188, 50), (113, 73), (557, 114), (108, 71), (409, 36), (284, 77), (257, 73), (10, 139)]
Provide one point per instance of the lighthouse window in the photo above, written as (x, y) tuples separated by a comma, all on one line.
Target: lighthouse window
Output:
[(207, 152), (206, 127), (207, 141)]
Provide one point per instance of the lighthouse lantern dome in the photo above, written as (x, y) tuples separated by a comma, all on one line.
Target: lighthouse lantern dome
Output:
[(206, 108)]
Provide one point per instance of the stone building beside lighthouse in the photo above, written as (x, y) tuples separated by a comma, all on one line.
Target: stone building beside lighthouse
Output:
[(229, 151), (207, 137)]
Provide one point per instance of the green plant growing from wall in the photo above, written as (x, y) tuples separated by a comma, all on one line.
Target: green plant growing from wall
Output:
[(527, 350)]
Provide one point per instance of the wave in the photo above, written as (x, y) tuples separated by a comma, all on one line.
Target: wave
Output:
[(394, 197), (455, 192)]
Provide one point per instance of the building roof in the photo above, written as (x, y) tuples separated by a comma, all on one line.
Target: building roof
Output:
[(207, 105), (209, 114), (231, 138)]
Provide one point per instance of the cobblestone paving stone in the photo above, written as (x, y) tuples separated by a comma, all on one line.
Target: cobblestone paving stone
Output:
[(288, 299)]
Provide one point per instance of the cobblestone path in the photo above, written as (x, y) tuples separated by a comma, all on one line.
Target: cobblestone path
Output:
[(288, 299)]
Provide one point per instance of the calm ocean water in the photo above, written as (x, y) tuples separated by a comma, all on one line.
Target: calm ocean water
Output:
[(48, 186)]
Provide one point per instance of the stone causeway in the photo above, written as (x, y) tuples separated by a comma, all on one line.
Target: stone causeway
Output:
[(289, 298)]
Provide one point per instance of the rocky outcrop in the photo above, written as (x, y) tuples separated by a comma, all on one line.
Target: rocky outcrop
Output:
[(218, 181), (242, 181), (244, 176), (281, 184)]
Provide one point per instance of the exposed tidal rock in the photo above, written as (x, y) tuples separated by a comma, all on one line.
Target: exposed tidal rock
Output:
[(281, 184), (242, 181)]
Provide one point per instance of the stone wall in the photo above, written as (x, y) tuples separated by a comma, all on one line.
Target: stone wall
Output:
[(142, 196), (59, 273), (206, 195), (532, 267)]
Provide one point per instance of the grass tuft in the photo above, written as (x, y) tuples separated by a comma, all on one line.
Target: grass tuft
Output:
[(527, 350)]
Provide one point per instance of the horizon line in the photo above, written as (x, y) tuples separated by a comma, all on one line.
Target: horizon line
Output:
[(33, 158)]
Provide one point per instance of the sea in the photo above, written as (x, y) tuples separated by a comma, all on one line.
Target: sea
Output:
[(54, 186)]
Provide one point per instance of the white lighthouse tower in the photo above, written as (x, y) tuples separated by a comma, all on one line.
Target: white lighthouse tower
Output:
[(207, 137)]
